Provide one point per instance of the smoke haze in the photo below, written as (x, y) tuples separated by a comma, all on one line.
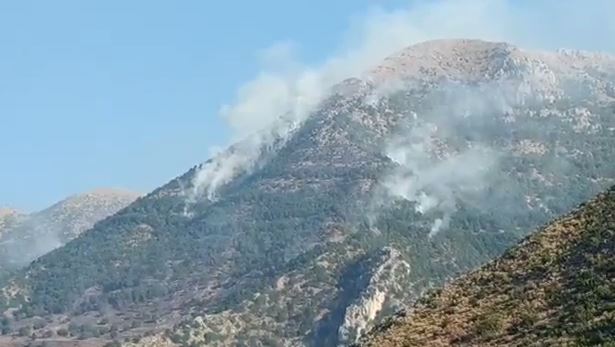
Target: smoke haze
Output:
[(286, 90)]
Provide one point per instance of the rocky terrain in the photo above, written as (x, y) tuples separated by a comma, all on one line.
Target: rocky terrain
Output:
[(556, 288), (24, 237), (314, 231)]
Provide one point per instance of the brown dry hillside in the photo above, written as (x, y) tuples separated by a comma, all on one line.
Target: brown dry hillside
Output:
[(557, 288)]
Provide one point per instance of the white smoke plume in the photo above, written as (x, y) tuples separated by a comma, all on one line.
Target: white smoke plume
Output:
[(286, 91), (267, 109), (432, 173), (434, 181), (25, 240)]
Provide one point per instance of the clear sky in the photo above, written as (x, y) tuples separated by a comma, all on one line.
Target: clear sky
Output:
[(127, 94)]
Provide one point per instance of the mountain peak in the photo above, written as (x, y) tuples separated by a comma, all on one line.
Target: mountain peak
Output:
[(477, 60), (460, 59), (7, 218), (100, 198), (7, 212), (104, 193), (444, 47), (23, 237), (79, 212)]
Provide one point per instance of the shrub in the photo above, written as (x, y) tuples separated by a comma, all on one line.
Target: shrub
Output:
[(489, 325), (25, 331), (62, 332)]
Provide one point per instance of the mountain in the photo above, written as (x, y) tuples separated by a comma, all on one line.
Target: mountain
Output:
[(24, 237), (314, 230), (556, 288), (8, 217)]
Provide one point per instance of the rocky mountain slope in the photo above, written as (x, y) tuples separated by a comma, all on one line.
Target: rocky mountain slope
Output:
[(556, 288), (24, 237), (425, 167)]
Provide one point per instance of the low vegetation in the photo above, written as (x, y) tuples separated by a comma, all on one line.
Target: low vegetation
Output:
[(557, 288)]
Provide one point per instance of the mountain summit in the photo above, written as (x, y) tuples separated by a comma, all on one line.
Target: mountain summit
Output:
[(476, 60), (310, 233)]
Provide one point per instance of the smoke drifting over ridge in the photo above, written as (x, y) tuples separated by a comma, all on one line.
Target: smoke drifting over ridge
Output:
[(32, 240), (485, 103), (435, 170), (286, 91), (435, 184)]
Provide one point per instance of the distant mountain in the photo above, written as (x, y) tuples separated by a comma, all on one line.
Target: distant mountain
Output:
[(24, 237), (557, 288), (311, 232), (8, 217)]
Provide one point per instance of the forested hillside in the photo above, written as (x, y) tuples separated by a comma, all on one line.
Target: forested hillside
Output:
[(26, 236), (556, 288), (428, 166)]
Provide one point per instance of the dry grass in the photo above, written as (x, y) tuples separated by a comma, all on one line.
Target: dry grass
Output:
[(556, 288)]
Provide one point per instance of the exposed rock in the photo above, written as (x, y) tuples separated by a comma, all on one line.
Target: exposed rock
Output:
[(386, 279)]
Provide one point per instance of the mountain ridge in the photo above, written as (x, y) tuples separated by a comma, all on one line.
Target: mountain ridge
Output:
[(295, 247), (25, 236)]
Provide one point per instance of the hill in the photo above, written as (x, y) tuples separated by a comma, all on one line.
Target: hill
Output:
[(24, 237), (310, 232), (556, 288)]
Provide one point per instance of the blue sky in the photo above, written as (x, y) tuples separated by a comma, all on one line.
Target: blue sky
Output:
[(128, 94)]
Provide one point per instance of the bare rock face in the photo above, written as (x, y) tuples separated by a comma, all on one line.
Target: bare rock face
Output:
[(387, 278), (427, 166)]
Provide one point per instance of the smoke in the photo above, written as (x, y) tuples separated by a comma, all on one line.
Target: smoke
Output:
[(445, 153), (435, 181), (269, 107), (267, 110), (25, 241)]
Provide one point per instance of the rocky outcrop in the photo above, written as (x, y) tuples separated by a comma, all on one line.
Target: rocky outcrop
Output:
[(386, 279)]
